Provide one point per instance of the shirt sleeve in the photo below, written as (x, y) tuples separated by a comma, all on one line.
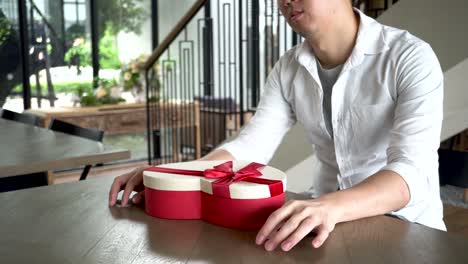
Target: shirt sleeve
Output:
[(415, 135), (259, 139)]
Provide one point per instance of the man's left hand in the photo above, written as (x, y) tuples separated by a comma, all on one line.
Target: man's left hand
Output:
[(293, 221)]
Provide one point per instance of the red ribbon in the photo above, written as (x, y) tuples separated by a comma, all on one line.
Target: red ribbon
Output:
[(226, 175)]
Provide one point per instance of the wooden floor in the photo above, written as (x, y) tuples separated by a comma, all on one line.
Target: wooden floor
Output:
[(455, 218)]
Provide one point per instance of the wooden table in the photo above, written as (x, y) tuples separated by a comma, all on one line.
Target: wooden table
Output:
[(112, 119), (72, 223), (28, 149), (130, 118)]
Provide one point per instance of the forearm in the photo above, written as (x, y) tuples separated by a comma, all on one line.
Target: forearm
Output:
[(218, 154), (381, 193)]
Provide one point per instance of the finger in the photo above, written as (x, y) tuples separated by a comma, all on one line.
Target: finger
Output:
[(273, 220), (273, 224), (322, 235), (129, 187), (276, 230), (139, 174), (286, 230), (115, 189), (139, 197), (306, 226)]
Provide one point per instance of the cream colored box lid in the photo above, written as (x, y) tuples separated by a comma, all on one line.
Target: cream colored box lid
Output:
[(238, 190)]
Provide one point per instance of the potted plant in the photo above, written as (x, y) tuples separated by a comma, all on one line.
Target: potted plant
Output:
[(108, 92), (133, 78)]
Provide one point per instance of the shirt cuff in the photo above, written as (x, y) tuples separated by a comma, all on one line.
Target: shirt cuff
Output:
[(412, 177)]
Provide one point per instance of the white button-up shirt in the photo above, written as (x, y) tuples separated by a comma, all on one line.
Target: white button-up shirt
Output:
[(386, 115)]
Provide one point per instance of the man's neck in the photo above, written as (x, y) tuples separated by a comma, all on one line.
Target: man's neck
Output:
[(333, 45)]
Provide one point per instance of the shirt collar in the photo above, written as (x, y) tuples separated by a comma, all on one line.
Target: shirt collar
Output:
[(370, 41)]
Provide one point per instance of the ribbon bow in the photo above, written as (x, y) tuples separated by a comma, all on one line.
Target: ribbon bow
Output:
[(226, 175)]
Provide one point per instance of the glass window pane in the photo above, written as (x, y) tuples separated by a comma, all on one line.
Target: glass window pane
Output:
[(124, 42), (82, 12), (10, 56), (70, 14), (60, 53)]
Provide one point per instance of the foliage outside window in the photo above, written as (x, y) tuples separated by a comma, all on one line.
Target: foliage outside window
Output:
[(108, 53), (122, 15), (79, 54), (107, 93), (132, 75), (5, 29), (114, 17)]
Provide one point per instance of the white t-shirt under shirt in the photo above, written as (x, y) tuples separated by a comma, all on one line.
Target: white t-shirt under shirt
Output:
[(386, 115), (328, 78)]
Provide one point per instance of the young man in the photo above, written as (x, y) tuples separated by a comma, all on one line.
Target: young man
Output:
[(370, 98)]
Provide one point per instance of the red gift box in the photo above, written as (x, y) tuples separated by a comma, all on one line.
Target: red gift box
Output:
[(234, 194)]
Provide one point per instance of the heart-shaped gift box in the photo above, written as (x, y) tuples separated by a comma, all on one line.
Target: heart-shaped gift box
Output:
[(234, 194)]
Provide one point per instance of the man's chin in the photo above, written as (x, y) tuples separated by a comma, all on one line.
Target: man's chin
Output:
[(305, 33), (297, 30), (300, 33)]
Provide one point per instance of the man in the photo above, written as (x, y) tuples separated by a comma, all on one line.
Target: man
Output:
[(370, 98)]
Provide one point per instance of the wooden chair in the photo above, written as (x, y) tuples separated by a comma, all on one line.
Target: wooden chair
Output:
[(89, 133), (23, 118)]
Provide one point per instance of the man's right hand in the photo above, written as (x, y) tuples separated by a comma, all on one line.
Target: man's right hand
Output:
[(131, 181)]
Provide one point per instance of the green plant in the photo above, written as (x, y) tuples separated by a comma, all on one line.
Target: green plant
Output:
[(131, 74), (82, 89), (122, 15), (107, 83), (114, 17), (63, 87), (102, 95), (89, 100), (79, 54), (108, 53), (5, 30)]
